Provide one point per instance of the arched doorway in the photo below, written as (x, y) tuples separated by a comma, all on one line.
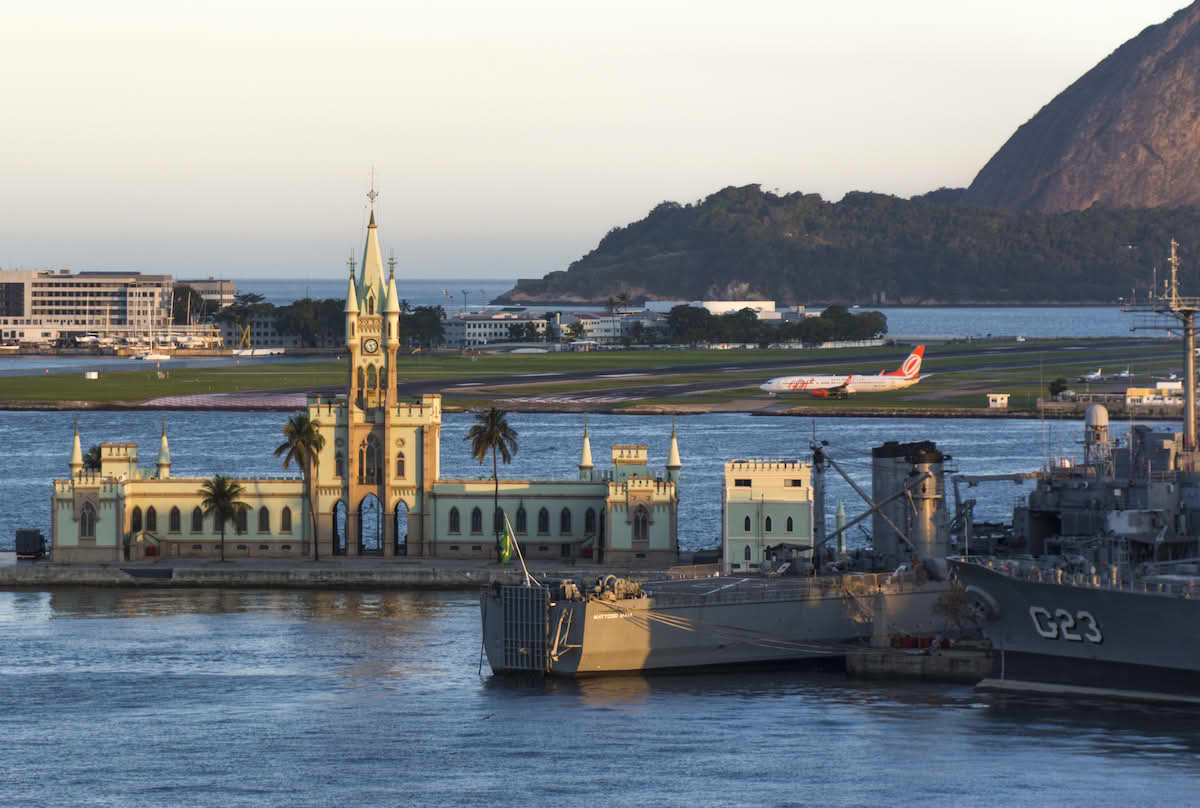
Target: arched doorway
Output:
[(339, 528), (370, 526), (401, 528)]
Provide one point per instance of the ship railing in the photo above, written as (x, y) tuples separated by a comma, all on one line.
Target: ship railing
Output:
[(1113, 577), (687, 572), (819, 588)]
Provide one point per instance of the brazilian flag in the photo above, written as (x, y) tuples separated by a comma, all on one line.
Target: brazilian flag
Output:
[(506, 543)]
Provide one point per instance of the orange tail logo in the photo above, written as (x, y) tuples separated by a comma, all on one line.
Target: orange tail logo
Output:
[(912, 366)]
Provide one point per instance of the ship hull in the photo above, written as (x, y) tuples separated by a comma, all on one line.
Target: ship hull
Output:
[(1101, 639)]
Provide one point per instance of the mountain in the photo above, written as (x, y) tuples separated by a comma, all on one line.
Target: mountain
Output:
[(1127, 133), (742, 243)]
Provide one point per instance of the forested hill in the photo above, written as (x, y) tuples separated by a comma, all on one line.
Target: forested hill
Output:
[(743, 243)]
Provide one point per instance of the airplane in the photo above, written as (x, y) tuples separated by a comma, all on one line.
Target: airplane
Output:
[(907, 375), (1092, 377), (1124, 374)]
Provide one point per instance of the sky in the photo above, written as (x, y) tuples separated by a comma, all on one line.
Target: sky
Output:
[(237, 138)]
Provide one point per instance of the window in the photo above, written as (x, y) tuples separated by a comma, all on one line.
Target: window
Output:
[(589, 522), (87, 521), (746, 553), (522, 520), (564, 522), (197, 520), (746, 525), (239, 520), (543, 521), (767, 525), (339, 465), (795, 483), (174, 520), (264, 520), (498, 520), (151, 519), (789, 524), (370, 460), (399, 464), (135, 520), (742, 483), (285, 520), (476, 520), (641, 524), (454, 525)]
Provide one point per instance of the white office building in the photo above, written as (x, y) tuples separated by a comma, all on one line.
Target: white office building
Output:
[(41, 306)]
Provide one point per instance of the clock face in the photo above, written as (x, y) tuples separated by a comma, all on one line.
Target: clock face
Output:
[(371, 345)]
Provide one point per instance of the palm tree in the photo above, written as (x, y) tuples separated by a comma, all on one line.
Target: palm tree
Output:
[(221, 498), (491, 432), (303, 445), (91, 459)]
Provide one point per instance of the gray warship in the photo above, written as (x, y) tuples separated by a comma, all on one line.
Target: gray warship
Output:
[(1098, 591)]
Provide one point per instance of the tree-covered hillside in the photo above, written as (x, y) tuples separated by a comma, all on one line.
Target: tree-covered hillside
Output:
[(744, 243)]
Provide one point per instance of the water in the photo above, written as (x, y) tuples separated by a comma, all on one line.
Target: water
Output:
[(249, 698), (242, 443), (227, 699)]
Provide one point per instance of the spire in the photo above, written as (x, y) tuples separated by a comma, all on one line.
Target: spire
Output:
[(673, 455), (585, 456), (371, 279), (76, 453), (391, 300), (164, 453), (351, 296)]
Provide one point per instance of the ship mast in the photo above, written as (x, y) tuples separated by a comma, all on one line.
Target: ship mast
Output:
[(1171, 303)]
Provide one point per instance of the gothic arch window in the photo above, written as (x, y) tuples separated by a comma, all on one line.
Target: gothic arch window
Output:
[(543, 521), (522, 520), (151, 519), (339, 465), (789, 524), (400, 464), (454, 525), (197, 520), (264, 520), (767, 525), (362, 379), (564, 522), (476, 520), (285, 520), (239, 520), (174, 521), (87, 521), (135, 520), (370, 304), (589, 522), (746, 524), (746, 553), (641, 524), (372, 381), (370, 460)]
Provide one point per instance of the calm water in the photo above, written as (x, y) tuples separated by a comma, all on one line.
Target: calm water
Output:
[(213, 698), (236, 698)]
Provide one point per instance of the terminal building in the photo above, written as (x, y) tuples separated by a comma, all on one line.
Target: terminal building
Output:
[(377, 487)]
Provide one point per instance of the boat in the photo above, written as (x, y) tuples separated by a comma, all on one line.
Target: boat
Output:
[(153, 356)]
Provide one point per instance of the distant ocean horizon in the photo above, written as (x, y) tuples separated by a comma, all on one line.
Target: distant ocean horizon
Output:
[(933, 321)]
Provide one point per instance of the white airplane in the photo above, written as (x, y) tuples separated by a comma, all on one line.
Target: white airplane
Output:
[(1092, 377), (908, 374), (1124, 374)]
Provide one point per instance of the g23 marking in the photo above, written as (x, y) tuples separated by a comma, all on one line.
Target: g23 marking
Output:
[(1062, 625)]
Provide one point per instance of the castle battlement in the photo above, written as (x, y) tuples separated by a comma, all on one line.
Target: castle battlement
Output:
[(630, 454), (766, 465)]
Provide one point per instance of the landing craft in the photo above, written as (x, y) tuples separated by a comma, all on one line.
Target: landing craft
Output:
[(907, 375)]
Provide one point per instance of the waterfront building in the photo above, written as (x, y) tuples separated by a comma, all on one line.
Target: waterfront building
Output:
[(219, 292), (766, 506), (377, 486), (42, 306), (469, 330)]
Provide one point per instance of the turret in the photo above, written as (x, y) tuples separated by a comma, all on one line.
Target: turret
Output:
[(673, 464), (351, 308), (391, 305), (585, 456), (76, 454), (164, 454)]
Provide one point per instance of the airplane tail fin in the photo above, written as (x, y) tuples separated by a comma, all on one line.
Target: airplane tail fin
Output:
[(912, 366)]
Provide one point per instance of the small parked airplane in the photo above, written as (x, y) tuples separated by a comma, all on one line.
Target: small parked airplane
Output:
[(1092, 377), (1124, 374), (908, 374)]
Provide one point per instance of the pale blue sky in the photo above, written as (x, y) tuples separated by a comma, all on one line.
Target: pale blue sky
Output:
[(236, 138)]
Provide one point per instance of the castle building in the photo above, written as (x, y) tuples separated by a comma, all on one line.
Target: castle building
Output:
[(377, 487), (767, 505)]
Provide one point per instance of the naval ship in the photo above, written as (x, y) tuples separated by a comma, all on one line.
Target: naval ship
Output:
[(1107, 597)]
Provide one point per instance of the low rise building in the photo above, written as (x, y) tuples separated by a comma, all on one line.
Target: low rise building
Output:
[(766, 505), (469, 330)]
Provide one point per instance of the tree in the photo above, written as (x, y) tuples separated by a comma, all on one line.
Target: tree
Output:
[(91, 459), (491, 432), (516, 332), (187, 305), (221, 498), (573, 331), (1057, 386), (610, 305), (303, 444)]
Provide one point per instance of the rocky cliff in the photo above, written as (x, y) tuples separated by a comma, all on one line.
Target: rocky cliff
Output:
[(1125, 134)]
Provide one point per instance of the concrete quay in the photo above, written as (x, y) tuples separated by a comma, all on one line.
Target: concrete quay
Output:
[(351, 574)]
